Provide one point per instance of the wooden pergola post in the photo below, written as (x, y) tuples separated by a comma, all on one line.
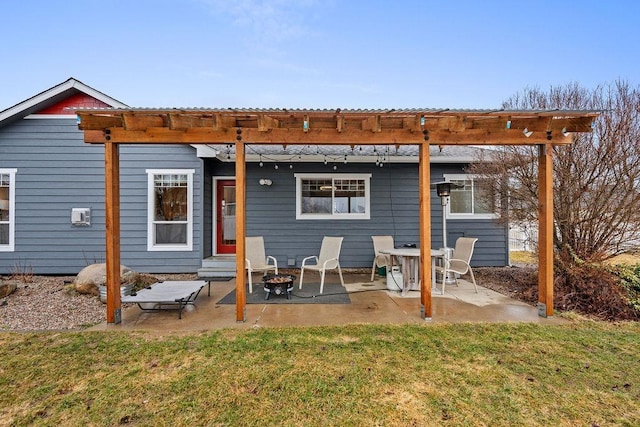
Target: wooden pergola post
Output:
[(424, 190), (545, 230), (241, 214), (112, 225)]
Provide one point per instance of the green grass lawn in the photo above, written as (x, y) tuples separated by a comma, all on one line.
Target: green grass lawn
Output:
[(584, 373)]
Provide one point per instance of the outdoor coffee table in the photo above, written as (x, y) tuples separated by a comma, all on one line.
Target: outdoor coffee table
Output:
[(278, 284)]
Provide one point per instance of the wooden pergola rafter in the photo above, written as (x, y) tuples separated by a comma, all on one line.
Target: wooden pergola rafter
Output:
[(425, 127)]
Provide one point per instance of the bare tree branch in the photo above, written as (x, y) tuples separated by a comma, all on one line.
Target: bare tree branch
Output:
[(596, 179)]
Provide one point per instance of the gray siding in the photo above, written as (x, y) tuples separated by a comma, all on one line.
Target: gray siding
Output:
[(57, 171), (394, 211), (134, 161)]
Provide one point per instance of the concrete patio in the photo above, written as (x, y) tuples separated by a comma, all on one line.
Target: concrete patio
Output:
[(376, 305)]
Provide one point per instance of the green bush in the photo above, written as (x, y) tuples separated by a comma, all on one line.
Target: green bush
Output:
[(630, 279)]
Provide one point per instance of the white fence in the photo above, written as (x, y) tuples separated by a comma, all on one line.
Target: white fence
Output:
[(523, 238)]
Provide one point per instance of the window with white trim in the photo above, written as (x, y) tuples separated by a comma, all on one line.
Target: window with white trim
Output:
[(7, 209), (332, 196), (469, 201), (170, 210)]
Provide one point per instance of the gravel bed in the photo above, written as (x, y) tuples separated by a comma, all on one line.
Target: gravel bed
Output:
[(51, 303)]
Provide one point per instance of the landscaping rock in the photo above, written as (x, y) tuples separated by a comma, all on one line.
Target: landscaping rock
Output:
[(92, 276), (7, 289)]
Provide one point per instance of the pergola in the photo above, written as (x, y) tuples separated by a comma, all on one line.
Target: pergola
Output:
[(420, 127)]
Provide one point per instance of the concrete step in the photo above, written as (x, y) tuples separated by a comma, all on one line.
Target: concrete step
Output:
[(216, 272), (220, 261)]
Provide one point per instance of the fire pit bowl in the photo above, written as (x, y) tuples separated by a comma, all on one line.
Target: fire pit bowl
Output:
[(278, 284)]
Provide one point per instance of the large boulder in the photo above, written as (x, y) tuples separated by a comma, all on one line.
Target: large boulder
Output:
[(92, 276)]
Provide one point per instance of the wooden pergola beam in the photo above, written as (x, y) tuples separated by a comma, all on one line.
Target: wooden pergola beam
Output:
[(416, 120), (321, 136)]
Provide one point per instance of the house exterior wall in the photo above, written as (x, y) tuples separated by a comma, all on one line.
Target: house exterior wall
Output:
[(394, 211), (57, 171)]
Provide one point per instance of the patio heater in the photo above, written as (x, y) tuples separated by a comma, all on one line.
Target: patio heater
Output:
[(443, 189)]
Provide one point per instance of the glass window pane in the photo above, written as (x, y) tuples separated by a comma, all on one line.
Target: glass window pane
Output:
[(316, 196), (171, 234), (170, 196), (4, 234), (482, 202), (4, 196), (461, 198), (349, 196)]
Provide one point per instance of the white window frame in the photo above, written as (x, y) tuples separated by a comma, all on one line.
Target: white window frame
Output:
[(333, 216), (151, 245), (10, 247), (466, 177)]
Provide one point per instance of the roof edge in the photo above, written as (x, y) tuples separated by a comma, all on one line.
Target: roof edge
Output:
[(26, 107)]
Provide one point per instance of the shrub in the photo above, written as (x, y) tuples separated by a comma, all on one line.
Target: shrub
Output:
[(608, 293), (630, 279)]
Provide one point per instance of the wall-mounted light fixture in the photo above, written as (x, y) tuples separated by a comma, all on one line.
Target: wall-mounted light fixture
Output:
[(265, 181)]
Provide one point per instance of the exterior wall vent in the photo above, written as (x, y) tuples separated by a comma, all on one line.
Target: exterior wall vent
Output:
[(80, 217)]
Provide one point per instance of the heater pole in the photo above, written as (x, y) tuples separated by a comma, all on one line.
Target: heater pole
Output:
[(443, 201)]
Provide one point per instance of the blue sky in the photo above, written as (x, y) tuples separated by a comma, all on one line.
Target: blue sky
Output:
[(315, 53)]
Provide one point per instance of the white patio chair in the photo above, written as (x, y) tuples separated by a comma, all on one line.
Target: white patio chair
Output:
[(327, 260), (256, 259), (459, 261), (381, 260)]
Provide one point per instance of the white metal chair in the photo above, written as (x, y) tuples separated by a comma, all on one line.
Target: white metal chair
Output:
[(327, 260), (381, 260), (256, 259), (459, 261)]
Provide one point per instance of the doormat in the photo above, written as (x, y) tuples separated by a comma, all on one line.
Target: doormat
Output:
[(309, 294)]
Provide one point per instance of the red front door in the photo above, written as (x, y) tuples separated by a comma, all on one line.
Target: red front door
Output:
[(226, 216)]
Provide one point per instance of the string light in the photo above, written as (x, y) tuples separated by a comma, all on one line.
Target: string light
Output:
[(382, 155)]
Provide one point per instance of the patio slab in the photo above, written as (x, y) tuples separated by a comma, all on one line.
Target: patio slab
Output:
[(371, 303)]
